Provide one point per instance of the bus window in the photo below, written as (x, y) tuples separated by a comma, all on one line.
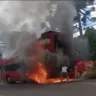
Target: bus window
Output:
[(12, 67)]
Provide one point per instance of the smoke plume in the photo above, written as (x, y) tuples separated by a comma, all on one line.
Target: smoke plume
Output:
[(21, 19)]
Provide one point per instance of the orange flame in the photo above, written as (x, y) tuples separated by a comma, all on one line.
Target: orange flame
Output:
[(40, 73)]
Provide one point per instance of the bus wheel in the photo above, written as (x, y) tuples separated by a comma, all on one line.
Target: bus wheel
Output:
[(13, 82), (8, 80), (25, 81)]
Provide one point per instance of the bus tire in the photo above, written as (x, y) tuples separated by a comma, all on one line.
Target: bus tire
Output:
[(25, 81), (13, 82), (8, 80)]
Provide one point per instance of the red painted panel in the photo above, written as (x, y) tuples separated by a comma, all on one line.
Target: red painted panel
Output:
[(51, 36)]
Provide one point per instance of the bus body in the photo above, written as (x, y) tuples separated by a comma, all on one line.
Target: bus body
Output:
[(12, 72), (52, 41), (9, 72)]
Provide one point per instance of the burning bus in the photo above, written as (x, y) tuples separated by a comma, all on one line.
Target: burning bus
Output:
[(49, 54), (45, 65), (52, 55), (57, 52)]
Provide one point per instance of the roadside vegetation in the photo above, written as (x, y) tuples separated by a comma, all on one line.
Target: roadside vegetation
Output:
[(91, 36)]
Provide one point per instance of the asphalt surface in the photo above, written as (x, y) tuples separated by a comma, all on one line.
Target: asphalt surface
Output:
[(85, 88)]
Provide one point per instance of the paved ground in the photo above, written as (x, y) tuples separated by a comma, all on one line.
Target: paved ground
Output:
[(86, 88)]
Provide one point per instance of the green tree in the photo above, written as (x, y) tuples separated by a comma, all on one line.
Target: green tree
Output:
[(91, 35)]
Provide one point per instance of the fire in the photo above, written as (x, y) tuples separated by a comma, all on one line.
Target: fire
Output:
[(40, 74)]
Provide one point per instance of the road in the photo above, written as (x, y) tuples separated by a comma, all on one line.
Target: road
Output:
[(86, 88)]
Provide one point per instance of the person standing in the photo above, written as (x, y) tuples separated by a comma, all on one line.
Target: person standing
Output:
[(64, 73), (80, 67)]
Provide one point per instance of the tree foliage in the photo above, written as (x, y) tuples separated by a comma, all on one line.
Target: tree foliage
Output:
[(82, 3), (91, 35)]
